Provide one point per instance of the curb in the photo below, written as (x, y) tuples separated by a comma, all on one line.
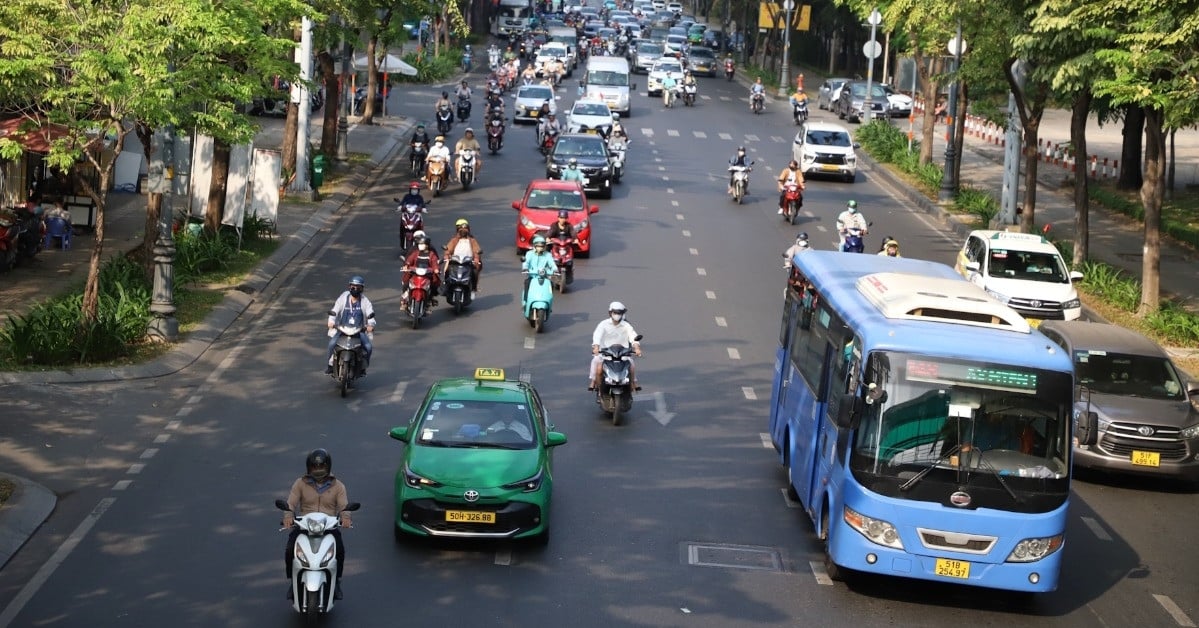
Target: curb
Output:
[(25, 511), (255, 287)]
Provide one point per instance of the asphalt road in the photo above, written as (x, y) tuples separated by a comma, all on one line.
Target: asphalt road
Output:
[(190, 538)]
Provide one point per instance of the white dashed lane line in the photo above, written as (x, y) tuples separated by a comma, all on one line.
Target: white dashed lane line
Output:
[(748, 392), (1180, 616), (711, 295), (1096, 529), (734, 354), (721, 322), (702, 272), (686, 233)]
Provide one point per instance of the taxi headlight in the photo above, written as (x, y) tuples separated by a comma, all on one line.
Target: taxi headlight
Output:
[(1032, 550), (527, 485), (416, 481), (876, 530), (1072, 304), (1190, 432)]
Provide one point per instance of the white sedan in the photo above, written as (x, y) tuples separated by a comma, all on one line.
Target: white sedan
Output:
[(656, 74), (589, 115)]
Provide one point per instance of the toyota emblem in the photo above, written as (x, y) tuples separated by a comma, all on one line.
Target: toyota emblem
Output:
[(961, 499), (1035, 303), (471, 496), (1145, 430)]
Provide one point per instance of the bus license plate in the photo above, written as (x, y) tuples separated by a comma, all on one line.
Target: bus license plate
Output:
[(469, 516), (1146, 458), (953, 568)]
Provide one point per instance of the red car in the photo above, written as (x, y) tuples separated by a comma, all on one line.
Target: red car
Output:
[(539, 209)]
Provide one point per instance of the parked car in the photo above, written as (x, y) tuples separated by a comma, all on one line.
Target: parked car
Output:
[(826, 94), (850, 104), (1144, 407), (901, 104), (1024, 271), (823, 148)]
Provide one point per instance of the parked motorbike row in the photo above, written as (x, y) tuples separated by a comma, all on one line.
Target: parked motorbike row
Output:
[(22, 233)]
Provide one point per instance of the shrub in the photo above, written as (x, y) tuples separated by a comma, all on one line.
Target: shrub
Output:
[(431, 68), (978, 203), (198, 252)]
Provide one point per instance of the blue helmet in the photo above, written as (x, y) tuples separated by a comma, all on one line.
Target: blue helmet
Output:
[(356, 280)]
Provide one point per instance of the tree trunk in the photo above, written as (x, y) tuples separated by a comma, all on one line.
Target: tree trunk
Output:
[(1130, 149), (1151, 200), (1082, 201), (153, 205), (372, 81), (291, 126), (1170, 167), (216, 190), (1031, 112), (930, 91), (324, 62), (959, 133), (91, 288)]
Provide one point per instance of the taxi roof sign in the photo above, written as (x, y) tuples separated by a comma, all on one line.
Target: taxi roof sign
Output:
[(1018, 237), (489, 374)]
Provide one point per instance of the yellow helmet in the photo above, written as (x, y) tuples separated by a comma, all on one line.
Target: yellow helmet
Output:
[(461, 223)]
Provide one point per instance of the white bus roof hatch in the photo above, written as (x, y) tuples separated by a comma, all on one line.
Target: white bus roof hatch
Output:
[(918, 297)]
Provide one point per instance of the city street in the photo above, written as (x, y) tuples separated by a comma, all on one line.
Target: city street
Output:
[(677, 518)]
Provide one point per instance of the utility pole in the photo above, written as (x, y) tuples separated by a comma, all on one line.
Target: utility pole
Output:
[(344, 103), (785, 76), (300, 96), (1012, 153), (871, 50)]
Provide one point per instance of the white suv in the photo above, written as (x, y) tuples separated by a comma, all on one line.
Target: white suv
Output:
[(823, 148), (1022, 270)]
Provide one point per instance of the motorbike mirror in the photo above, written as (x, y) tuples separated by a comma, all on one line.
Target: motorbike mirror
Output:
[(395, 200), (352, 506), (515, 204), (281, 505), (399, 433), (593, 209)]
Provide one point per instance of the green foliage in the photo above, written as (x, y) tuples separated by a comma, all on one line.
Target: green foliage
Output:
[(1169, 324), (1173, 223), (198, 252), (1111, 284), (977, 202), (431, 68)]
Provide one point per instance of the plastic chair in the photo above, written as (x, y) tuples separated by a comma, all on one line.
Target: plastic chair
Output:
[(57, 228)]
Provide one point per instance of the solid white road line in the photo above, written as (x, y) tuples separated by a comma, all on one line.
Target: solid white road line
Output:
[(1177, 613), (821, 574)]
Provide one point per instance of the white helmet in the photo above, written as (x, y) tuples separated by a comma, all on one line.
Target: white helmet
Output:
[(617, 306), (418, 234)]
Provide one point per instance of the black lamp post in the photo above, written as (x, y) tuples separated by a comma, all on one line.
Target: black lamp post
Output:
[(949, 180)]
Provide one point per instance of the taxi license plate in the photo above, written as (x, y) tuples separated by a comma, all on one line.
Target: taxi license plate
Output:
[(592, 131), (1033, 322), (1146, 458), (469, 516), (612, 104), (534, 113), (829, 168), (952, 568)]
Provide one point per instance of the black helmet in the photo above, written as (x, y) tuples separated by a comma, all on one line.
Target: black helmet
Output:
[(319, 458), (803, 235), (357, 285)]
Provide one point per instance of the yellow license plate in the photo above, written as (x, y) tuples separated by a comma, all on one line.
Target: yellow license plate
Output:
[(535, 113), (1146, 458), (830, 168), (953, 568), (592, 132), (469, 516), (1033, 322)]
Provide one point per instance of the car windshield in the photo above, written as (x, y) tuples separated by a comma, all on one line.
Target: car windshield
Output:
[(858, 90), (553, 51), (953, 423), (676, 39), (1148, 376), (1027, 265), (476, 424), (579, 147), (829, 138), (610, 78), (570, 200), (649, 49), (697, 53), (592, 109), (668, 67), (536, 92)]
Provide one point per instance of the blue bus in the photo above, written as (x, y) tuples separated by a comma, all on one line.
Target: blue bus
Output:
[(925, 427)]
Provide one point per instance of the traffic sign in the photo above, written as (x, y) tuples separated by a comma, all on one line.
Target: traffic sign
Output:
[(872, 49)]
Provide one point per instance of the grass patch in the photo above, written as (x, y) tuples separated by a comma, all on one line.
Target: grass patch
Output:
[(1180, 215), (6, 491)]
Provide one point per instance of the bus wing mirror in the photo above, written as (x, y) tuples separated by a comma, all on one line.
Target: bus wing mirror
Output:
[(849, 413), (1087, 430)]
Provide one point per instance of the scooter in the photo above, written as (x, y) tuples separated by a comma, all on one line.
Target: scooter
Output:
[(33, 232), (417, 158), (458, 281), (799, 111), (617, 147), (740, 181), (445, 119), (854, 240), (10, 236), (314, 567), (728, 70), (349, 356), (495, 135), (792, 201), (420, 293), (466, 59), (412, 219), (689, 94), (668, 96), (547, 143), (539, 301), (466, 171), (435, 176), (563, 251), (464, 107), (493, 59), (615, 394), (757, 102)]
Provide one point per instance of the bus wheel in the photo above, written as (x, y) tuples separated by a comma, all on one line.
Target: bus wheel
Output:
[(836, 573)]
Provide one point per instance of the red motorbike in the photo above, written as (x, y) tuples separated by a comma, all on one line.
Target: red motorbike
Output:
[(495, 135), (547, 144), (412, 219), (420, 293), (728, 69), (792, 201), (563, 250), (10, 235)]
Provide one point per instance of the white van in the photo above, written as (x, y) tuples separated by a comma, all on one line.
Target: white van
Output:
[(608, 80), (570, 37), (1024, 271)]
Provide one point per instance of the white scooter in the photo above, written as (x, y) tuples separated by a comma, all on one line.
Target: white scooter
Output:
[(617, 147), (314, 563)]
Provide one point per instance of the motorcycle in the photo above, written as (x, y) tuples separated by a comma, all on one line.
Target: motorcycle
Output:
[(445, 119), (435, 176), (33, 232), (689, 94), (792, 201), (417, 157), (466, 59), (549, 139), (539, 301), (495, 135), (349, 356), (563, 251), (412, 219), (10, 236), (854, 240), (757, 101), (493, 59), (466, 171), (615, 394), (314, 566), (740, 181), (617, 147), (728, 70), (420, 293), (799, 111), (464, 107), (458, 282), (668, 96)]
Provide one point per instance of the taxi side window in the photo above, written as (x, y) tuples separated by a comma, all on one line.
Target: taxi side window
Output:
[(539, 414), (975, 249)]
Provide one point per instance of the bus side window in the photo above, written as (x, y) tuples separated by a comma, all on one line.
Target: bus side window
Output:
[(807, 306), (851, 358)]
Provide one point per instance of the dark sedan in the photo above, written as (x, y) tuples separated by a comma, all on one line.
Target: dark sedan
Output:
[(591, 152)]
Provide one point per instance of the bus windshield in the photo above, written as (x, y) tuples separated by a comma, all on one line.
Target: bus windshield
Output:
[(932, 426), (608, 78)]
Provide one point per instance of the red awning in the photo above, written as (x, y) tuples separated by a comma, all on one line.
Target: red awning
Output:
[(27, 133)]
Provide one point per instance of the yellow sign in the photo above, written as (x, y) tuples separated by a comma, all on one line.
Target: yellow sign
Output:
[(772, 15), (492, 375)]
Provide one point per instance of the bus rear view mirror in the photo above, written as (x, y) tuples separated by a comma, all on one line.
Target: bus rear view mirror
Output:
[(1087, 430), (849, 413)]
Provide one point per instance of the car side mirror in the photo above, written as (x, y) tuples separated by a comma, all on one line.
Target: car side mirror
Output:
[(1075, 276), (1087, 429), (849, 413), (1193, 389), (972, 266), (515, 204), (856, 145), (553, 439), (593, 209), (399, 433)]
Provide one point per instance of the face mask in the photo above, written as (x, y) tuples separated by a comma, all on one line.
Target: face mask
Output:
[(463, 232), (616, 318), (423, 247), (853, 210), (356, 291)]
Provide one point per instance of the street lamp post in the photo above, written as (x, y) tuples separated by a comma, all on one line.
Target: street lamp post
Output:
[(343, 122), (949, 183), (163, 326), (785, 78), (871, 49)]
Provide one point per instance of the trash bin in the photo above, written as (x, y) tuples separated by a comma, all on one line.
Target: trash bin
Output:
[(318, 171)]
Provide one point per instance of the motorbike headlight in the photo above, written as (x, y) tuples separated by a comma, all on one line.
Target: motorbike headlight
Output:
[(1072, 304), (416, 481), (998, 296), (526, 223), (876, 530), (299, 553), (527, 485), (1190, 432), (1032, 550), (315, 526)]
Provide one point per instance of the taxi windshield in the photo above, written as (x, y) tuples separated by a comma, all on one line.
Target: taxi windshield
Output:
[(476, 424), (1028, 265)]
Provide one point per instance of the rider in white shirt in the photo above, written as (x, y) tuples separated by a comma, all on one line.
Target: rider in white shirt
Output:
[(756, 88), (613, 331), (848, 219)]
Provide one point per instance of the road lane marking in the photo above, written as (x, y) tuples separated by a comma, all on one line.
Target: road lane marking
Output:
[(184, 411), (397, 394), (726, 136), (726, 98), (194, 399), (670, 190), (775, 138), (174, 425), (503, 557), (665, 178), (749, 393), (121, 485), (678, 217), (734, 354), (791, 503), (647, 131), (674, 203), (672, 132), (1177, 613), (148, 453), (661, 168), (135, 468), (820, 573), (693, 251), (720, 322), (752, 138), (530, 342), (686, 233), (1097, 529), (39, 579), (161, 438), (702, 272), (657, 159), (765, 438), (711, 295), (700, 135), (705, 97)]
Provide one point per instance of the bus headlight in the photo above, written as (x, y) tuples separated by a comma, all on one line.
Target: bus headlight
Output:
[(877, 530), (1032, 550)]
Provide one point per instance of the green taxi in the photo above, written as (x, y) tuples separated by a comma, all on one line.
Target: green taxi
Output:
[(478, 462)]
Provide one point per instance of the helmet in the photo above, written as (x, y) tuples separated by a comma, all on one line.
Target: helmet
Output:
[(615, 115), (852, 204), (318, 458), (415, 185), (469, 130), (445, 94), (573, 162), (418, 235), (617, 307), (803, 235), (461, 222), (538, 241), (439, 139), (793, 165), (424, 239), (562, 213), (889, 242), (420, 125), (356, 280), (740, 149)]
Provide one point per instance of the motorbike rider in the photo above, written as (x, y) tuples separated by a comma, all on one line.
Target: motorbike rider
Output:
[(741, 160), (444, 101), (463, 244), (413, 197), (463, 92), (509, 55), (547, 123), (468, 142), (354, 300), (756, 89), (536, 259), (316, 491), (562, 228), (790, 175), (668, 86), (439, 152), (572, 173), (529, 74), (798, 98), (614, 330), (493, 55), (420, 136), (423, 256), (801, 245), (494, 102), (890, 248), (618, 128), (849, 219), (688, 80)]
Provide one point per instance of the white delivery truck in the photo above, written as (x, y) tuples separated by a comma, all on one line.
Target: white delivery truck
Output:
[(512, 16)]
